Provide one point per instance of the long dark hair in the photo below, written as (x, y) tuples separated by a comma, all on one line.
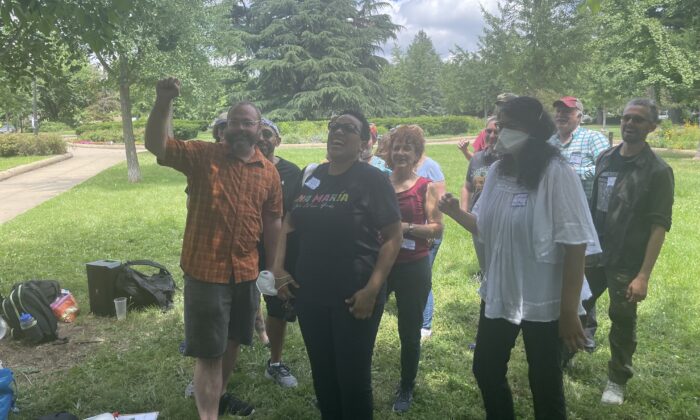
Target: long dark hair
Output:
[(529, 164)]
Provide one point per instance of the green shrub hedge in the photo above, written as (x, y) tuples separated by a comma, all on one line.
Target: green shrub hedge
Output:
[(24, 144), (112, 131), (433, 126), (53, 127), (316, 131)]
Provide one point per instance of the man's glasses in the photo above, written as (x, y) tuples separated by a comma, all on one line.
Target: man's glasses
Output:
[(634, 118), (344, 127), (267, 134), (243, 123)]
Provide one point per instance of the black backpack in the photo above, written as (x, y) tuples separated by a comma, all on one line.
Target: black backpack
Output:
[(143, 290), (33, 297)]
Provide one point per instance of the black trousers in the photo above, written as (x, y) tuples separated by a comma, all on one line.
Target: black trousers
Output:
[(494, 340), (410, 282), (340, 352)]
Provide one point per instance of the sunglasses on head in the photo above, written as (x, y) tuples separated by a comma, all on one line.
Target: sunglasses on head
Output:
[(346, 128)]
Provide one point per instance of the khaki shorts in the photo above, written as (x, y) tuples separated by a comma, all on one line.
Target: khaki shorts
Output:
[(216, 313)]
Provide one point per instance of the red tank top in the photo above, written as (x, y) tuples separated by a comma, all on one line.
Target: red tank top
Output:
[(412, 206)]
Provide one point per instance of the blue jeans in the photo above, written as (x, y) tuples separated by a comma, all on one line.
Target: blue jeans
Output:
[(430, 303)]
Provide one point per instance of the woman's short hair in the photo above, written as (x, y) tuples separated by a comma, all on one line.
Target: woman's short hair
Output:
[(410, 134), (364, 131)]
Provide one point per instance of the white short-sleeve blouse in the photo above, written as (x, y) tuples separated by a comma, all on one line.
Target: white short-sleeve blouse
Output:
[(521, 234)]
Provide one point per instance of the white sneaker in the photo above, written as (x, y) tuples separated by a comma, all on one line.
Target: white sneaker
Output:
[(613, 394), (425, 333)]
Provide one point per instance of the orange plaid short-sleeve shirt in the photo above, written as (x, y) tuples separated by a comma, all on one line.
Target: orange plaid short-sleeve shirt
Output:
[(228, 198)]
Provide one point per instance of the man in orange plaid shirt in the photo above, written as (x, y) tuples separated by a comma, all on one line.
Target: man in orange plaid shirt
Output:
[(235, 197)]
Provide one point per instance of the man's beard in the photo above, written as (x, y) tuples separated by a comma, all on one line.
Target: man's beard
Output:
[(245, 138)]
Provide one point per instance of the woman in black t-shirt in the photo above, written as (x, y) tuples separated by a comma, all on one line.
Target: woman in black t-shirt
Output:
[(348, 223)]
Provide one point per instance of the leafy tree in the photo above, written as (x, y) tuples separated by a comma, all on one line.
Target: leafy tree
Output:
[(134, 41), (306, 58), (469, 84), (538, 46), (420, 70)]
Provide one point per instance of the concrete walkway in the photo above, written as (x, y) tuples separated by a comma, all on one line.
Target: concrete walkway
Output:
[(25, 191)]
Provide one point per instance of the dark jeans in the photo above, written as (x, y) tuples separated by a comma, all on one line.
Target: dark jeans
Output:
[(410, 282), (495, 338), (430, 302), (340, 352), (623, 316)]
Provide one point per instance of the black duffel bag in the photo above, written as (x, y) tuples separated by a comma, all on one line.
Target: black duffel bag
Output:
[(142, 290)]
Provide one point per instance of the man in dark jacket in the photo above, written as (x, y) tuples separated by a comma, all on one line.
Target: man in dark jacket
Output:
[(631, 205)]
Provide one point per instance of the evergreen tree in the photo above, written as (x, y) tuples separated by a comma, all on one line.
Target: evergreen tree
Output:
[(420, 69), (308, 58)]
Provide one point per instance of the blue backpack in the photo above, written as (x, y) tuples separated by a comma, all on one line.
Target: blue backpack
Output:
[(7, 393)]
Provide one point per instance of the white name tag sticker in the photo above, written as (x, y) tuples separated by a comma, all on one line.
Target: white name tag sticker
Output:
[(576, 159), (409, 244), (313, 183), (519, 200), (611, 181)]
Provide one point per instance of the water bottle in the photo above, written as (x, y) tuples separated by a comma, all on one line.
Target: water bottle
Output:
[(30, 328)]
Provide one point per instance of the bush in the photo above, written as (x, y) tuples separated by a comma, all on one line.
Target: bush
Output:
[(316, 131), (23, 144), (53, 127), (434, 125), (672, 136), (112, 131)]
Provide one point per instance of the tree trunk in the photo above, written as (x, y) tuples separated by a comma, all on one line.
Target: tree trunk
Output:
[(599, 116), (605, 117), (35, 122), (132, 160)]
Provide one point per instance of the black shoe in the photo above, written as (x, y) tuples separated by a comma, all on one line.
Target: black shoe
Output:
[(228, 404), (404, 397)]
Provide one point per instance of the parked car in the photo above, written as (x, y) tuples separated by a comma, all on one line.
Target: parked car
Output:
[(663, 115), (586, 119), (7, 128)]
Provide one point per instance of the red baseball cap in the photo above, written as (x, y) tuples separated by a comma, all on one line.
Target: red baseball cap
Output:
[(569, 102)]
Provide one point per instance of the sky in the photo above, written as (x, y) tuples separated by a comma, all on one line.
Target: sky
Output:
[(447, 22)]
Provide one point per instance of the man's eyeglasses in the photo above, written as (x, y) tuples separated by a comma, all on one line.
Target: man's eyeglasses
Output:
[(346, 128), (267, 134), (634, 118), (243, 123)]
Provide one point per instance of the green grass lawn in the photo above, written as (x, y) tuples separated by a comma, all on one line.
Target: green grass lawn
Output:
[(14, 161), (134, 366)]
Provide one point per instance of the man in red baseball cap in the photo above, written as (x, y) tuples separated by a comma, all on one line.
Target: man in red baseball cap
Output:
[(580, 146)]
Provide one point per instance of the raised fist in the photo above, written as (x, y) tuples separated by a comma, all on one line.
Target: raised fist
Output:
[(168, 89)]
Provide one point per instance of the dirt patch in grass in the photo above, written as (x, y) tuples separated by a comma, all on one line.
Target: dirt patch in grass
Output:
[(32, 363)]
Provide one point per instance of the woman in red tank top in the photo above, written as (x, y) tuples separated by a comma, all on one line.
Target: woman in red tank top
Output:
[(410, 277)]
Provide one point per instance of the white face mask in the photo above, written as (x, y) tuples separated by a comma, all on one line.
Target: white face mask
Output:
[(510, 141)]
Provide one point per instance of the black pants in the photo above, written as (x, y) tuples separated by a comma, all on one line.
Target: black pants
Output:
[(495, 338), (623, 316), (410, 282), (340, 352)]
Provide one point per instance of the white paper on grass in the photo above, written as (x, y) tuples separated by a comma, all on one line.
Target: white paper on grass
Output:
[(140, 416)]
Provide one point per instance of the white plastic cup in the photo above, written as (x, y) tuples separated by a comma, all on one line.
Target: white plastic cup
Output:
[(120, 307)]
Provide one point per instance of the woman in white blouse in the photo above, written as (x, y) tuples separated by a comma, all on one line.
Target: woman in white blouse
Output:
[(534, 228)]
